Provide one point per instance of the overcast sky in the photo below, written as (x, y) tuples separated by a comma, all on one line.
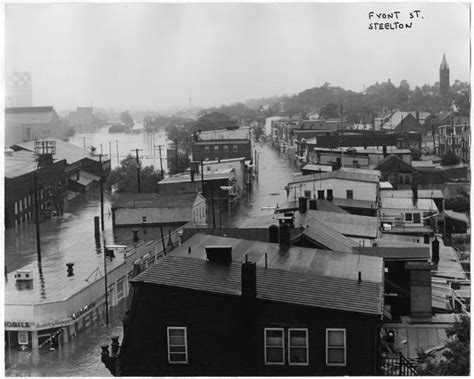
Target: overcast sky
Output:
[(150, 56)]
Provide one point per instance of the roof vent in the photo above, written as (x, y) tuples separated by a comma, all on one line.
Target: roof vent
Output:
[(23, 275), (219, 254)]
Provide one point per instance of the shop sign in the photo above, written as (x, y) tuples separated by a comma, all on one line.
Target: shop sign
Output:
[(17, 324)]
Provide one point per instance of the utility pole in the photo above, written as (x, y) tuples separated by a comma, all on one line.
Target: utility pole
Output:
[(138, 169), (433, 135), (202, 176), (176, 154), (38, 241), (212, 200), (116, 148), (342, 132), (105, 282), (161, 160), (101, 181)]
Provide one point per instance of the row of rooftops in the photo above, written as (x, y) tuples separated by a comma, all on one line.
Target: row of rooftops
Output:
[(372, 176), (331, 279), (378, 150), (20, 158)]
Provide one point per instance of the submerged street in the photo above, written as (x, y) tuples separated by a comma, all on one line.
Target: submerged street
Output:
[(71, 238)]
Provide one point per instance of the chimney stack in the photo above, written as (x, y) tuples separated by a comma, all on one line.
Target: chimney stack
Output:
[(303, 204), (135, 235), (273, 234), (384, 149), (414, 188), (249, 280), (435, 250), (284, 234), (70, 269)]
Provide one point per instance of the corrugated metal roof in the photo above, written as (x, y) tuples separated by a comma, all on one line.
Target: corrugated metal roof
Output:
[(154, 200), (18, 163), (240, 133), (407, 203), (340, 174), (64, 150), (294, 258), (85, 178), (354, 203), (411, 252), (323, 234), (312, 279), (345, 223), (208, 175), (422, 194)]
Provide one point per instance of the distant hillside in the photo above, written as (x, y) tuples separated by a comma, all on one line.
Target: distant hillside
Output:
[(357, 106)]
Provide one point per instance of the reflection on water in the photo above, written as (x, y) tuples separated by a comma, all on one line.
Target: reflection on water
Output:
[(64, 238)]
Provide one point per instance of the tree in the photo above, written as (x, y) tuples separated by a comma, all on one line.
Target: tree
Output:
[(455, 359), (450, 159), (330, 110), (258, 131), (124, 178), (126, 119), (183, 163), (458, 203)]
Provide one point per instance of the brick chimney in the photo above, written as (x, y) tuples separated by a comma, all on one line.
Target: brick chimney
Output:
[(414, 188), (249, 280), (303, 204), (284, 234)]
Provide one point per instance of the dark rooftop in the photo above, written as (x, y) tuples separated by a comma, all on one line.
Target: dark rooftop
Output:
[(295, 275), (154, 200)]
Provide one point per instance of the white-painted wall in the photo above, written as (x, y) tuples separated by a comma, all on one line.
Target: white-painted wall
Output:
[(361, 190)]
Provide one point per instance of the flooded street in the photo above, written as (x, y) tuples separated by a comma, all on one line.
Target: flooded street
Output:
[(72, 236)]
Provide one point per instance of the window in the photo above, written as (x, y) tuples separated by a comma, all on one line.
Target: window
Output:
[(177, 345), (416, 218), (234, 148), (120, 288), (16, 207), (307, 194), (274, 346), (23, 338), (206, 149), (226, 148), (335, 347), (350, 194), (408, 217), (208, 168), (143, 219), (21, 205), (298, 346), (216, 149)]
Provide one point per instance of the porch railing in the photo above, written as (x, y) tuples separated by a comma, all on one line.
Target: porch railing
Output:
[(397, 366)]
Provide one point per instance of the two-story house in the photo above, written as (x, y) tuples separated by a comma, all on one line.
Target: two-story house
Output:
[(353, 190), (219, 306)]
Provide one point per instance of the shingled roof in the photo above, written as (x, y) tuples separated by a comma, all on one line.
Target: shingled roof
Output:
[(154, 200), (296, 275), (339, 174)]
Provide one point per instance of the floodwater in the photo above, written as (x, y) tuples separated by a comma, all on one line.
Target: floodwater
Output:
[(62, 238)]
